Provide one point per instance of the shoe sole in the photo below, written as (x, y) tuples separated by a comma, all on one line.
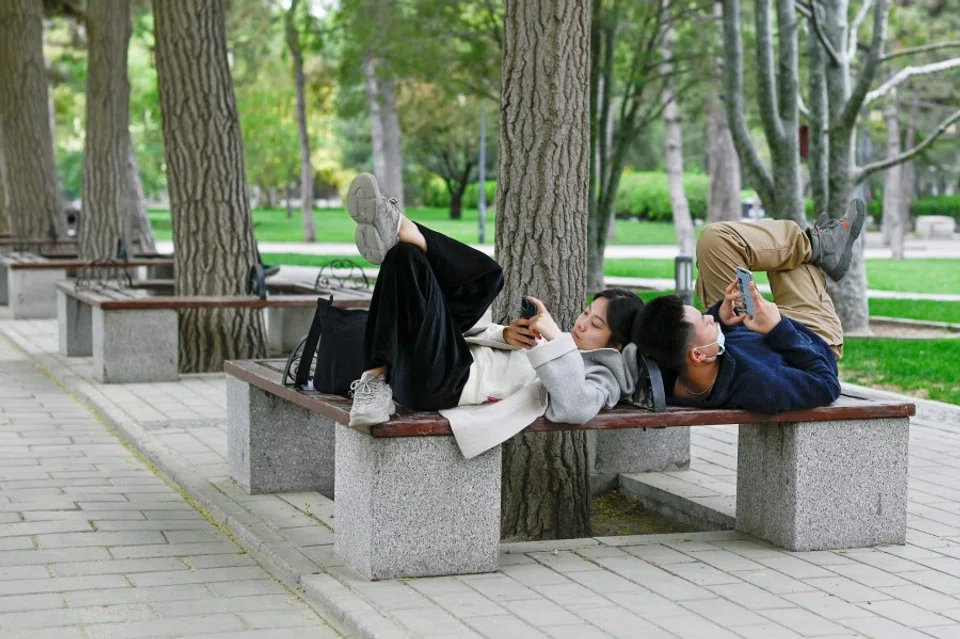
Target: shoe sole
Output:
[(369, 422), (856, 225), (363, 197)]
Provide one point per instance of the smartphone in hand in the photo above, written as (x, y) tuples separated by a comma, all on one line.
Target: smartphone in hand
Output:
[(744, 277), (527, 308)]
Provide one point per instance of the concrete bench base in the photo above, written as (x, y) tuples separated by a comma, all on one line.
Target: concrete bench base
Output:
[(74, 327), (275, 446), (286, 327), (134, 346), (414, 507), (824, 485), (31, 294)]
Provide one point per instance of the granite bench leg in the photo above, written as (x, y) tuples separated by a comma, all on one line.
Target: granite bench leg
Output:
[(275, 446), (4, 287), (286, 327), (414, 507), (75, 326), (824, 485), (132, 346), (33, 293), (637, 450)]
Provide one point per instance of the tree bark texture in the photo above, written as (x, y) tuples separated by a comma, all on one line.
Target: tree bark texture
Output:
[(4, 214), (908, 171), (384, 131), (541, 237), (306, 166), (106, 155), (137, 229), (32, 190), (723, 198), (892, 219), (210, 210)]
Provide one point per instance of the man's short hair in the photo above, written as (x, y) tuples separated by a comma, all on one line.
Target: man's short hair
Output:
[(663, 333)]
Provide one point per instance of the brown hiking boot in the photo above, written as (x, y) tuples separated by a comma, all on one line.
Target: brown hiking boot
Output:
[(832, 241)]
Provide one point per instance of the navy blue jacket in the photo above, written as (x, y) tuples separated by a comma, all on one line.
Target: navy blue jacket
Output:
[(790, 368)]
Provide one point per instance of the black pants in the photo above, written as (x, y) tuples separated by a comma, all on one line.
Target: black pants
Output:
[(422, 304)]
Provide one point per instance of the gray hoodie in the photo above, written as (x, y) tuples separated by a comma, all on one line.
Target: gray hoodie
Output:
[(572, 386)]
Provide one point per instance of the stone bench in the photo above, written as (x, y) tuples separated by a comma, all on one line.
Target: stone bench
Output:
[(134, 337), (935, 227), (27, 280), (409, 505)]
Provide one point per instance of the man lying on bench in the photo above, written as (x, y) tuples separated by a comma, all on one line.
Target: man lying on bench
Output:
[(770, 358), (494, 381)]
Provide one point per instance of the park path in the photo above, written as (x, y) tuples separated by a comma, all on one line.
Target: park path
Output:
[(94, 545)]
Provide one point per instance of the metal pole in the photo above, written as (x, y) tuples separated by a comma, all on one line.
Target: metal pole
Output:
[(482, 200)]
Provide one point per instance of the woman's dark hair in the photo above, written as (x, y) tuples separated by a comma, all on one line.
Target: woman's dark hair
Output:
[(623, 307), (662, 333)]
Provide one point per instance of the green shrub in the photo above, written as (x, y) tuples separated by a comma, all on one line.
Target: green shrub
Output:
[(936, 205), (435, 194), (646, 196)]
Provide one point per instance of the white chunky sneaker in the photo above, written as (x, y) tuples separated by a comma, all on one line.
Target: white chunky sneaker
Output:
[(377, 218), (372, 401)]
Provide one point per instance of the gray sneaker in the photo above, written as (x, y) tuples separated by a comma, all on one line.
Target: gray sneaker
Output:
[(372, 401), (832, 240), (377, 218)]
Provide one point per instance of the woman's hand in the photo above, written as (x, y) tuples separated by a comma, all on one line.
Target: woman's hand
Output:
[(727, 313), (519, 334), (766, 314), (542, 323)]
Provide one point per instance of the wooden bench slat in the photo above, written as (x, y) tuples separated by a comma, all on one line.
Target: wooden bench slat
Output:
[(55, 263), (266, 374)]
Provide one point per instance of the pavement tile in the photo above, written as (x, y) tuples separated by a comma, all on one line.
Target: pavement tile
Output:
[(827, 605), (166, 627), (906, 613), (693, 627), (803, 621), (924, 597), (576, 631), (880, 628), (619, 622)]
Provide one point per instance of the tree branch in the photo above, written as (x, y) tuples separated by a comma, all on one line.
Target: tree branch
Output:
[(818, 29), (851, 108), (905, 74), (733, 92), (863, 172), (924, 49), (855, 28)]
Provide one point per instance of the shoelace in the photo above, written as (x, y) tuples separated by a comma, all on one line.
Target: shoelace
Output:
[(363, 390)]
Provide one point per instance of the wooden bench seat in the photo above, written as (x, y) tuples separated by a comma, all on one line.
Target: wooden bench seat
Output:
[(133, 336), (409, 504)]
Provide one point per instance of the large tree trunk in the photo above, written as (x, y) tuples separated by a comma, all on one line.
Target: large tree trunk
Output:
[(210, 211), (306, 166), (892, 183), (32, 191), (137, 230), (106, 155), (541, 237), (723, 199), (673, 134), (384, 131), (4, 214)]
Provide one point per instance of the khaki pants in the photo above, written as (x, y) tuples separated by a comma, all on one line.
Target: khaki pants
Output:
[(782, 249)]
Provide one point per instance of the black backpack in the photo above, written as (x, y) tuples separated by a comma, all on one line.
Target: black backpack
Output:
[(335, 343)]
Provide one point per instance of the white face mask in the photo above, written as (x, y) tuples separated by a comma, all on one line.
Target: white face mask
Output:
[(721, 339)]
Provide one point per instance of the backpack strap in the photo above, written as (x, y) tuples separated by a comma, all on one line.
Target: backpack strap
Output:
[(309, 352)]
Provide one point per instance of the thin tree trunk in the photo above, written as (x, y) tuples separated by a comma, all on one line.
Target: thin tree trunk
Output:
[(138, 231), (32, 191), (892, 183), (723, 199), (673, 134), (908, 171), (541, 237), (210, 210), (306, 166), (456, 203), (384, 131), (4, 214), (106, 154)]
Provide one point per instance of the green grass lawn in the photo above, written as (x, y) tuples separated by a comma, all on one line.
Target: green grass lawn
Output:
[(922, 368), (334, 225)]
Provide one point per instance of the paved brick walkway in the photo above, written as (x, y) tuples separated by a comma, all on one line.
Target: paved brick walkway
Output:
[(711, 585), (94, 545)]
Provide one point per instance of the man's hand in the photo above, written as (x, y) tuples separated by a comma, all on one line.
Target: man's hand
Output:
[(766, 314), (519, 334), (727, 312), (541, 323)]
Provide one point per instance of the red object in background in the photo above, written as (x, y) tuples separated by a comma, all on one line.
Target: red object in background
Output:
[(804, 141)]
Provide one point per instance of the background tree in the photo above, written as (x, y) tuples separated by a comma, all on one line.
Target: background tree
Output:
[(4, 215), (723, 199), (107, 149), (292, 33), (835, 103), (541, 237), (33, 196), (212, 227)]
